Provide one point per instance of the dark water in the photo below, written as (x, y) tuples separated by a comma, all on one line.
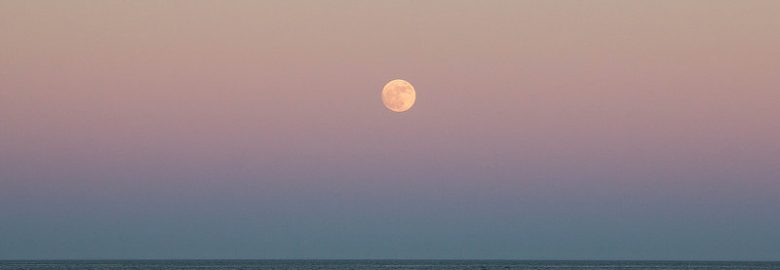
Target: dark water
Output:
[(376, 265)]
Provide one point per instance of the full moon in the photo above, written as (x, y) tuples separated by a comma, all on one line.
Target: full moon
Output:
[(398, 95)]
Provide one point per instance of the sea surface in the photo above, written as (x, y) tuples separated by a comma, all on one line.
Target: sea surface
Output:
[(376, 265)]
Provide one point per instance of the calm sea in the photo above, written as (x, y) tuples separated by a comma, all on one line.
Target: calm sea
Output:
[(375, 264)]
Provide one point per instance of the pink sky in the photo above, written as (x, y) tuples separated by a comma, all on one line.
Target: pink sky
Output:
[(523, 107)]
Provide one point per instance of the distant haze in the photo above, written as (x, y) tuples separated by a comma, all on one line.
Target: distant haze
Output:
[(255, 129)]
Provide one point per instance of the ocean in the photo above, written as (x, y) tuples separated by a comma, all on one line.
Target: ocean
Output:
[(375, 265)]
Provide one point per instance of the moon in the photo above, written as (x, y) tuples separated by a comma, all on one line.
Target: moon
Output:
[(398, 95)]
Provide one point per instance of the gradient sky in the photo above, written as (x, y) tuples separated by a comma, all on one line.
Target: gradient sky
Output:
[(255, 129)]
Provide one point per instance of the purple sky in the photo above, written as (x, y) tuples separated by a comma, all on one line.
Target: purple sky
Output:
[(255, 129)]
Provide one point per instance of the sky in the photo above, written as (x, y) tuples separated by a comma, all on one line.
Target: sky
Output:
[(255, 129)]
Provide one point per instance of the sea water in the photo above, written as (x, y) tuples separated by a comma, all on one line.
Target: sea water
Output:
[(378, 265)]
